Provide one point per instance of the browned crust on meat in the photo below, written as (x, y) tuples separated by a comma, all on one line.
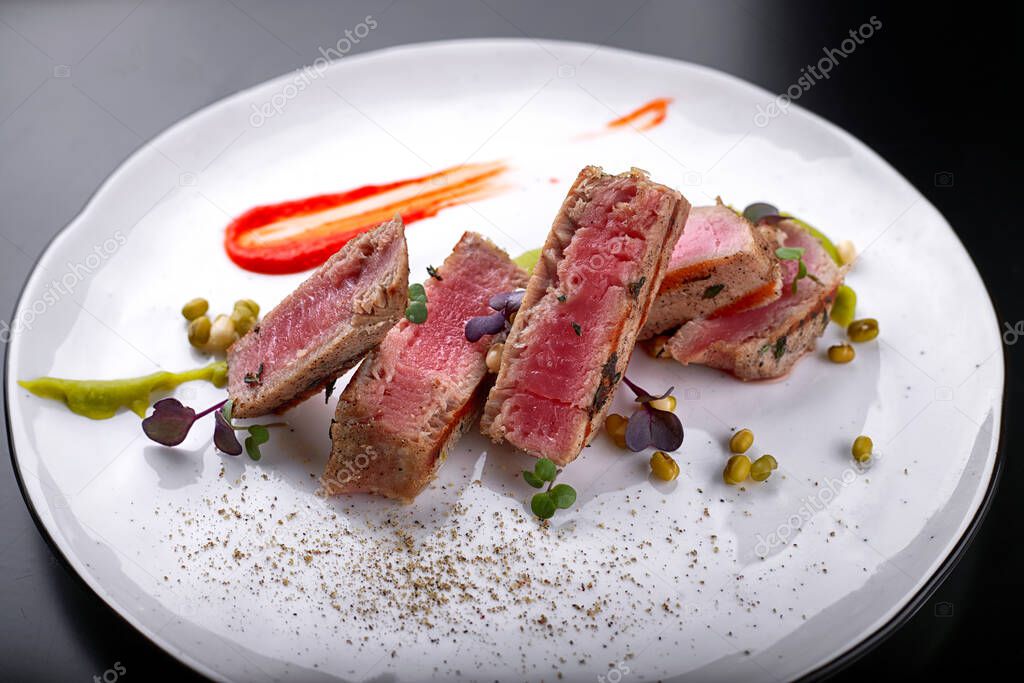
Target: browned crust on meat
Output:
[(376, 309), (684, 293), (544, 278), (367, 458)]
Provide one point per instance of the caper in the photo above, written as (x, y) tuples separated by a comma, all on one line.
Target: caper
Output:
[(862, 330), (762, 468), (615, 426), (251, 305), (493, 358), (668, 404), (862, 447), (741, 441), (416, 312), (195, 308), (841, 353), (222, 333), (845, 306), (664, 466), (657, 347), (199, 331), (242, 317), (736, 470)]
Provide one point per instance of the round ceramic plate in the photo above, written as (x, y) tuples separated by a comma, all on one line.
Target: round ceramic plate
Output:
[(240, 570)]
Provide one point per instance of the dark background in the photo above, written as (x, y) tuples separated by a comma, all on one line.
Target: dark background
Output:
[(932, 92)]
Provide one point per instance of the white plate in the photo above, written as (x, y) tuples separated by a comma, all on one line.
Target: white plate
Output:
[(639, 578)]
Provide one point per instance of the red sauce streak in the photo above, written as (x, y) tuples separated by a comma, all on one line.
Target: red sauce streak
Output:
[(303, 233), (646, 117)]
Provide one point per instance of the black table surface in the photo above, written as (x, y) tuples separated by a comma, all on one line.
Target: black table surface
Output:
[(84, 84)]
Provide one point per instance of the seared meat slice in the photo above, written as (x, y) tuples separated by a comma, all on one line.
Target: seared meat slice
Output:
[(765, 342), (324, 327), (414, 396), (722, 264), (588, 296)]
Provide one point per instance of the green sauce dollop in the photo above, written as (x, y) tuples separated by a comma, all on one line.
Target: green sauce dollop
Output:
[(100, 399), (528, 259)]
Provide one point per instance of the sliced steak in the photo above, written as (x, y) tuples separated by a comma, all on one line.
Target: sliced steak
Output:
[(414, 396), (589, 294), (721, 264), (324, 327), (765, 342)]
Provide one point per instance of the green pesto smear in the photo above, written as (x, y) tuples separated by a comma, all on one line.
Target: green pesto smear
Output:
[(528, 259), (100, 399)]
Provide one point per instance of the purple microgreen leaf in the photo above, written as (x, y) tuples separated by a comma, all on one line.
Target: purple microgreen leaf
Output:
[(650, 428), (170, 422), (507, 302), (759, 211), (224, 436), (484, 324), (642, 395)]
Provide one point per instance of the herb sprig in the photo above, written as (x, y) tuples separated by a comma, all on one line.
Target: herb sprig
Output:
[(416, 311), (171, 422), (505, 306), (796, 254), (650, 427), (555, 497)]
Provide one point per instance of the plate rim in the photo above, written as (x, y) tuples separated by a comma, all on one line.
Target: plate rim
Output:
[(826, 670)]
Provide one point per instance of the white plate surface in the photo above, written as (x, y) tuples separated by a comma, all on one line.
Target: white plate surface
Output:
[(238, 569)]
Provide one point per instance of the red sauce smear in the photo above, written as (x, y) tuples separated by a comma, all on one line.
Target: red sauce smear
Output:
[(303, 233), (646, 117)]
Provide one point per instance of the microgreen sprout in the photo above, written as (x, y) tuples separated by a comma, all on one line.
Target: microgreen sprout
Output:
[(432, 272), (171, 421), (555, 497), (416, 311), (505, 306), (795, 254), (650, 427)]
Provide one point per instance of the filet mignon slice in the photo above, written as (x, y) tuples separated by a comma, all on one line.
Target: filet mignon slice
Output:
[(588, 296), (324, 327), (766, 342), (415, 395)]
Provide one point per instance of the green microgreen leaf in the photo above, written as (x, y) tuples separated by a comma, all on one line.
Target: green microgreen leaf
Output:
[(789, 253), (259, 433), (542, 505), (417, 292), (432, 272), (563, 496), (577, 329), (252, 448), (532, 479), (416, 312), (545, 470)]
